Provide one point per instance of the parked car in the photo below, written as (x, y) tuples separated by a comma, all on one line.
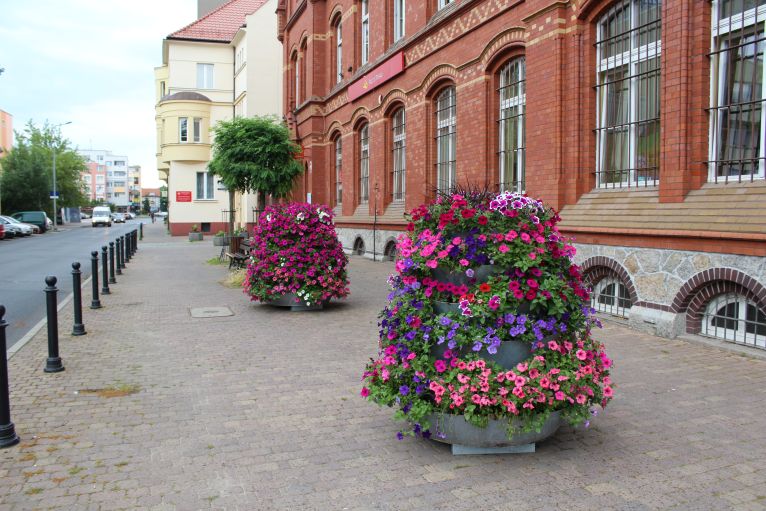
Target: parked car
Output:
[(38, 218), (130, 215), (2, 232), (84, 215), (11, 231), (26, 229), (102, 215), (49, 222), (118, 218)]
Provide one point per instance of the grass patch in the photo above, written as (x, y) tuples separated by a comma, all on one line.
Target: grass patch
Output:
[(216, 261), (34, 491), (121, 464), (75, 470), (33, 473), (235, 279), (118, 390)]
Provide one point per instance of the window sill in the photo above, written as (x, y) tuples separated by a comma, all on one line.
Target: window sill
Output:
[(205, 200)]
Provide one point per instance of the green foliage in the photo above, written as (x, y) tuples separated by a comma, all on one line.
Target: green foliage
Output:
[(255, 153), (27, 172), (163, 198), (146, 206)]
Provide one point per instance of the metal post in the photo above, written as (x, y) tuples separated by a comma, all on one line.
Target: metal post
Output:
[(135, 240), (127, 248), (112, 280), (105, 272), (118, 255), (78, 328), (95, 302), (8, 435), (53, 364), (54, 189), (141, 231)]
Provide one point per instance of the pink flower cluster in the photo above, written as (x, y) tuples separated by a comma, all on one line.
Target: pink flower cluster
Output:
[(296, 250)]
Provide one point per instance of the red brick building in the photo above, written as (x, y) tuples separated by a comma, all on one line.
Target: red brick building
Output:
[(641, 120)]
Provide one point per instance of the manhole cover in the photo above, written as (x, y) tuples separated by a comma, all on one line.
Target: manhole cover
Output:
[(210, 312)]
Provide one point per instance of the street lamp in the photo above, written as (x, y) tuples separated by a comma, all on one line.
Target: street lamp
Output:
[(55, 194)]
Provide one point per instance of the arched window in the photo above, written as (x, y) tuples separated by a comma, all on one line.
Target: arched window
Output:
[(628, 94), (611, 296), (295, 80), (398, 156), (398, 19), (446, 139), (338, 171), (511, 130), (302, 57), (338, 51), (732, 317), (365, 49), (364, 164), (737, 123)]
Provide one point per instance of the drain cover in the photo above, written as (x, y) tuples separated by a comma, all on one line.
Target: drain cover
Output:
[(210, 312)]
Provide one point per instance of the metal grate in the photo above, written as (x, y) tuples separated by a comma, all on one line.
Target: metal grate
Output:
[(612, 297), (733, 318), (364, 164), (511, 134), (628, 50), (338, 171), (736, 115), (446, 138), (399, 156)]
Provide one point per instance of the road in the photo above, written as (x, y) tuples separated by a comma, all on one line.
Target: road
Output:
[(25, 262)]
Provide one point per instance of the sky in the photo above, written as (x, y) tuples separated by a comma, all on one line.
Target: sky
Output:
[(90, 62)]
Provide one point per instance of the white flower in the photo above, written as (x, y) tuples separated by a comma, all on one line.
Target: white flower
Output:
[(300, 216)]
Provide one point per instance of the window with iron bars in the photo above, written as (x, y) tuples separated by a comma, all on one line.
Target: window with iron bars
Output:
[(511, 132), (446, 138), (736, 91), (338, 174), (364, 164), (612, 297), (628, 50), (365, 32), (733, 318), (399, 156)]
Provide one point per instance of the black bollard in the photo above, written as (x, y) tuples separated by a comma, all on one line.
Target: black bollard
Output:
[(95, 302), (127, 248), (135, 241), (118, 256), (53, 364), (112, 280), (141, 231), (78, 328), (105, 272), (8, 435)]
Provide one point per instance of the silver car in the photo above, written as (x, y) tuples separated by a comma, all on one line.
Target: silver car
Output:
[(25, 229)]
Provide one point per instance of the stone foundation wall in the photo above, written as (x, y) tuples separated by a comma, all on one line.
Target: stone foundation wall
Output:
[(377, 243), (659, 275)]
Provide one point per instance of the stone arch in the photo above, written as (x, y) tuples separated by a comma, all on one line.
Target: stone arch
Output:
[(392, 97), (337, 11), (359, 115), (590, 10), (359, 248), (335, 126), (595, 269), (503, 42), (435, 79), (389, 252)]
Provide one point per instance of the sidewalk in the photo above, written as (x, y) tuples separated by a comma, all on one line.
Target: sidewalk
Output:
[(261, 410)]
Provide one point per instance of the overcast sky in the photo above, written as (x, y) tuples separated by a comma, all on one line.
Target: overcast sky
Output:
[(90, 62)]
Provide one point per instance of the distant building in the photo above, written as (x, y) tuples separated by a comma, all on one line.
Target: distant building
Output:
[(153, 195), (6, 132), (206, 77), (95, 181), (134, 186), (116, 166)]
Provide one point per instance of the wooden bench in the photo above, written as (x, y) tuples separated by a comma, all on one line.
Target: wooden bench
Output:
[(238, 253)]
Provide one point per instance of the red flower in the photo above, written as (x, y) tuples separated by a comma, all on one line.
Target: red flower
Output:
[(468, 213), (410, 226), (485, 288), (483, 220)]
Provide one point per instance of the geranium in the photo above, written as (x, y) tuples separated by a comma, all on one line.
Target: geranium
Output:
[(512, 280), (296, 250)]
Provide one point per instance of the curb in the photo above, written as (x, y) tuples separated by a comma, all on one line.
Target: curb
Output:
[(33, 331)]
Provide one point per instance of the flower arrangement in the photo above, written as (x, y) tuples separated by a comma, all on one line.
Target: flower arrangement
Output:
[(507, 273), (296, 250)]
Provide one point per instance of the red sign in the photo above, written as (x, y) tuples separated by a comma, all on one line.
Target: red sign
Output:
[(183, 196), (377, 76)]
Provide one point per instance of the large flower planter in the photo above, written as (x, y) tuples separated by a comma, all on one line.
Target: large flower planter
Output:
[(220, 241), (195, 236), (295, 303), (481, 274), (466, 438)]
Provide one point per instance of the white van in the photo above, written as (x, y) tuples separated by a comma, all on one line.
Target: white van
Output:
[(101, 215)]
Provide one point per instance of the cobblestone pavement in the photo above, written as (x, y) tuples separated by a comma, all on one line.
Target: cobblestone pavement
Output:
[(261, 410)]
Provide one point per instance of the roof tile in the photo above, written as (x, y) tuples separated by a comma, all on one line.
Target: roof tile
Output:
[(220, 24)]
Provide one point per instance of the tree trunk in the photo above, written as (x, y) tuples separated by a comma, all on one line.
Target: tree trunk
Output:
[(231, 212)]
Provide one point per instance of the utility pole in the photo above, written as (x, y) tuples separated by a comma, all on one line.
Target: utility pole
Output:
[(55, 193)]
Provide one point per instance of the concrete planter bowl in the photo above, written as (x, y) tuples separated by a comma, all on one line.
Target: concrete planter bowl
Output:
[(195, 236), (220, 241), (295, 303), (466, 438)]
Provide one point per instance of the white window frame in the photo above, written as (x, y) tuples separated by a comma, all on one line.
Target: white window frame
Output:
[(339, 51), (446, 126), (505, 105), (183, 130), (738, 334), (399, 11), (399, 155), (365, 32), (721, 27), (208, 186), (364, 164), (205, 75), (338, 171), (197, 129), (297, 79), (633, 57), (444, 3), (614, 310)]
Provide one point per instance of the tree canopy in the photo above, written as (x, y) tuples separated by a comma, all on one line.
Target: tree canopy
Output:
[(27, 172), (255, 154)]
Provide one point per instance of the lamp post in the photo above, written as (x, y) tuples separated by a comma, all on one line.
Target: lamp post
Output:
[(55, 194)]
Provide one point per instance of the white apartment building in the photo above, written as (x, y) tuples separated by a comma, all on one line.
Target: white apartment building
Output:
[(116, 189)]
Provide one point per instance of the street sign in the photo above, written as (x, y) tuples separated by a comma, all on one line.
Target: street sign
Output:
[(54, 195), (183, 196)]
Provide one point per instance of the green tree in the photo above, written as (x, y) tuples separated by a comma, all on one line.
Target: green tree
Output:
[(163, 198), (146, 206), (254, 154), (27, 172)]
